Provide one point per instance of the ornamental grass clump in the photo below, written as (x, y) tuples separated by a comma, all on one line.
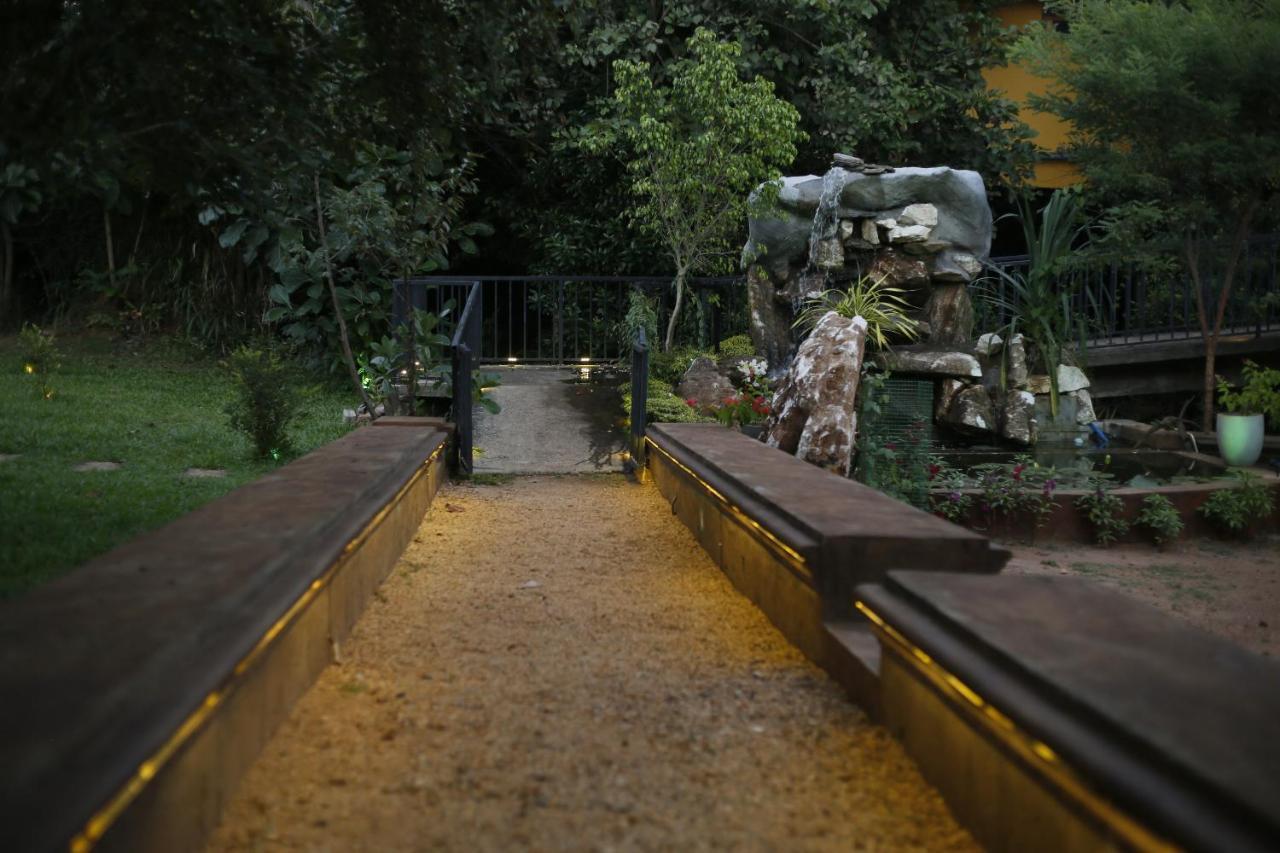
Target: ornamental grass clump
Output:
[(885, 309)]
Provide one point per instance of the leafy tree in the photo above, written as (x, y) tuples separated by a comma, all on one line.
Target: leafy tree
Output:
[(897, 82), (695, 150), (1175, 127)]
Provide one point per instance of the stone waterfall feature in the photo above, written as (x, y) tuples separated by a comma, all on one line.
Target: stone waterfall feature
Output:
[(927, 231)]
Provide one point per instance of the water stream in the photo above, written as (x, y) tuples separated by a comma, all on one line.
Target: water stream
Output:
[(826, 219)]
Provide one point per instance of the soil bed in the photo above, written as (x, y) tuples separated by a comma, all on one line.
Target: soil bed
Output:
[(556, 664), (1231, 589)]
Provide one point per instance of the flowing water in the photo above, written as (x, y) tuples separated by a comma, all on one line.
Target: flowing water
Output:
[(826, 219)]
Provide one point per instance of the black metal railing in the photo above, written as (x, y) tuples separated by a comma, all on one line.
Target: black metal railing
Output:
[(457, 305), (639, 399), (545, 319), (1127, 303), (464, 345)]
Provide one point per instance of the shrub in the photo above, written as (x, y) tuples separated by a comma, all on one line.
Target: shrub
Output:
[(670, 367), (1259, 394), (1104, 511), (40, 358), (663, 406), (642, 313), (1235, 509), (1160, 516), (738, 346), (265, 401)]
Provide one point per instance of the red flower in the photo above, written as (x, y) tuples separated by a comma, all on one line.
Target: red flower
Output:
[(1017, 471), (691, 403), (933, 471)]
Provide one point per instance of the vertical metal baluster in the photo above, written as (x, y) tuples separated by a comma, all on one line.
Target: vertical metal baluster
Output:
[(639, 399)]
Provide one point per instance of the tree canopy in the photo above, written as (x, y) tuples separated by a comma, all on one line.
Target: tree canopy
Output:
[(159, 157), (1175, 126), (695, 151)]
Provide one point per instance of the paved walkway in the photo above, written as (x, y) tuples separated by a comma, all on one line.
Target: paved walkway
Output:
[(556, 665), (552, 421)]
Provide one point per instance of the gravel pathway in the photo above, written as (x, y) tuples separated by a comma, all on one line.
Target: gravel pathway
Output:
[(556, 665)]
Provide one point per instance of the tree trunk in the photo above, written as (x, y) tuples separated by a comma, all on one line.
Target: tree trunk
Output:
[(675, 310), (1212, 332), (413, 351), (1210, 357), (6, 276), (337, 307), (111, 248)]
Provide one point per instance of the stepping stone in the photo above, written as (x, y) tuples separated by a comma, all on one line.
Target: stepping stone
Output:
[(97, 466), (205, 472)]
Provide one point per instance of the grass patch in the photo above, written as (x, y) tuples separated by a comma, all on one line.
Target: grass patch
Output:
[(158, 410), (1097, 570), (490, 479)]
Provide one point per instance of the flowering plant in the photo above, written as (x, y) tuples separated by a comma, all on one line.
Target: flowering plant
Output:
[(741, 409)]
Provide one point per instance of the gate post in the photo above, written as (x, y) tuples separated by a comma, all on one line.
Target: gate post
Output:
[(639, 399), (462, 445)]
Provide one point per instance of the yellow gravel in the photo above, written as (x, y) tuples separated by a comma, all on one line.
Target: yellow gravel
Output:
[(556, 665)]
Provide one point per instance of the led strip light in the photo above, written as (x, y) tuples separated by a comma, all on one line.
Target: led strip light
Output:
[(1036, 752), (784, 550), (97, 826)]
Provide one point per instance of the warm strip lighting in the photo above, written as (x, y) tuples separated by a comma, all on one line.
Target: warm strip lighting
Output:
[(1034, 751), (101, 821), (738, 514), (512, 359)]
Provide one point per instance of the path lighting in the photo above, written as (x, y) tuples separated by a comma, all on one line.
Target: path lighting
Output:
[(29, 368), (512, 359)]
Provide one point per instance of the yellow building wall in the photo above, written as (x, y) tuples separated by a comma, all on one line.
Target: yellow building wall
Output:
[(1016, 83)]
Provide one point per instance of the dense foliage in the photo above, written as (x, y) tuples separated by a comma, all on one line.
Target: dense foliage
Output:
[(158, 161), (695, 151), (1175, 127)]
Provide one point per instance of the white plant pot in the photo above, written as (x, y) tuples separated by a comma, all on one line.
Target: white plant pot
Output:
[(1240, 438)]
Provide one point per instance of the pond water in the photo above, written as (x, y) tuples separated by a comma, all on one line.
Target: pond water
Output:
[(1080, 468)]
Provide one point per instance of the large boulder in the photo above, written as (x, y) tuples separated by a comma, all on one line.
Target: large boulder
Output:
[(931, 362), (770, 323), (971, 412), (902, 271), (949, 313), (815, 413), (1018, 417), (704, 383), (1018, 372), (1085, 414)]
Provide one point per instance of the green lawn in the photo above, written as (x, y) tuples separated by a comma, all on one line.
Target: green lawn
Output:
[(158, 410)]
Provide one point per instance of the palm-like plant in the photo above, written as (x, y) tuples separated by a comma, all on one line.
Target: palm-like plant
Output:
[(883, 307), (1037, 302)]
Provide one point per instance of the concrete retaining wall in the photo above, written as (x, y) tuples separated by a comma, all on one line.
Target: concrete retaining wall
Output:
[(140, 687)]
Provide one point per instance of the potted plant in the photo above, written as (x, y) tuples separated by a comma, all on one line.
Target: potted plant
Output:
[(1242, 426)]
